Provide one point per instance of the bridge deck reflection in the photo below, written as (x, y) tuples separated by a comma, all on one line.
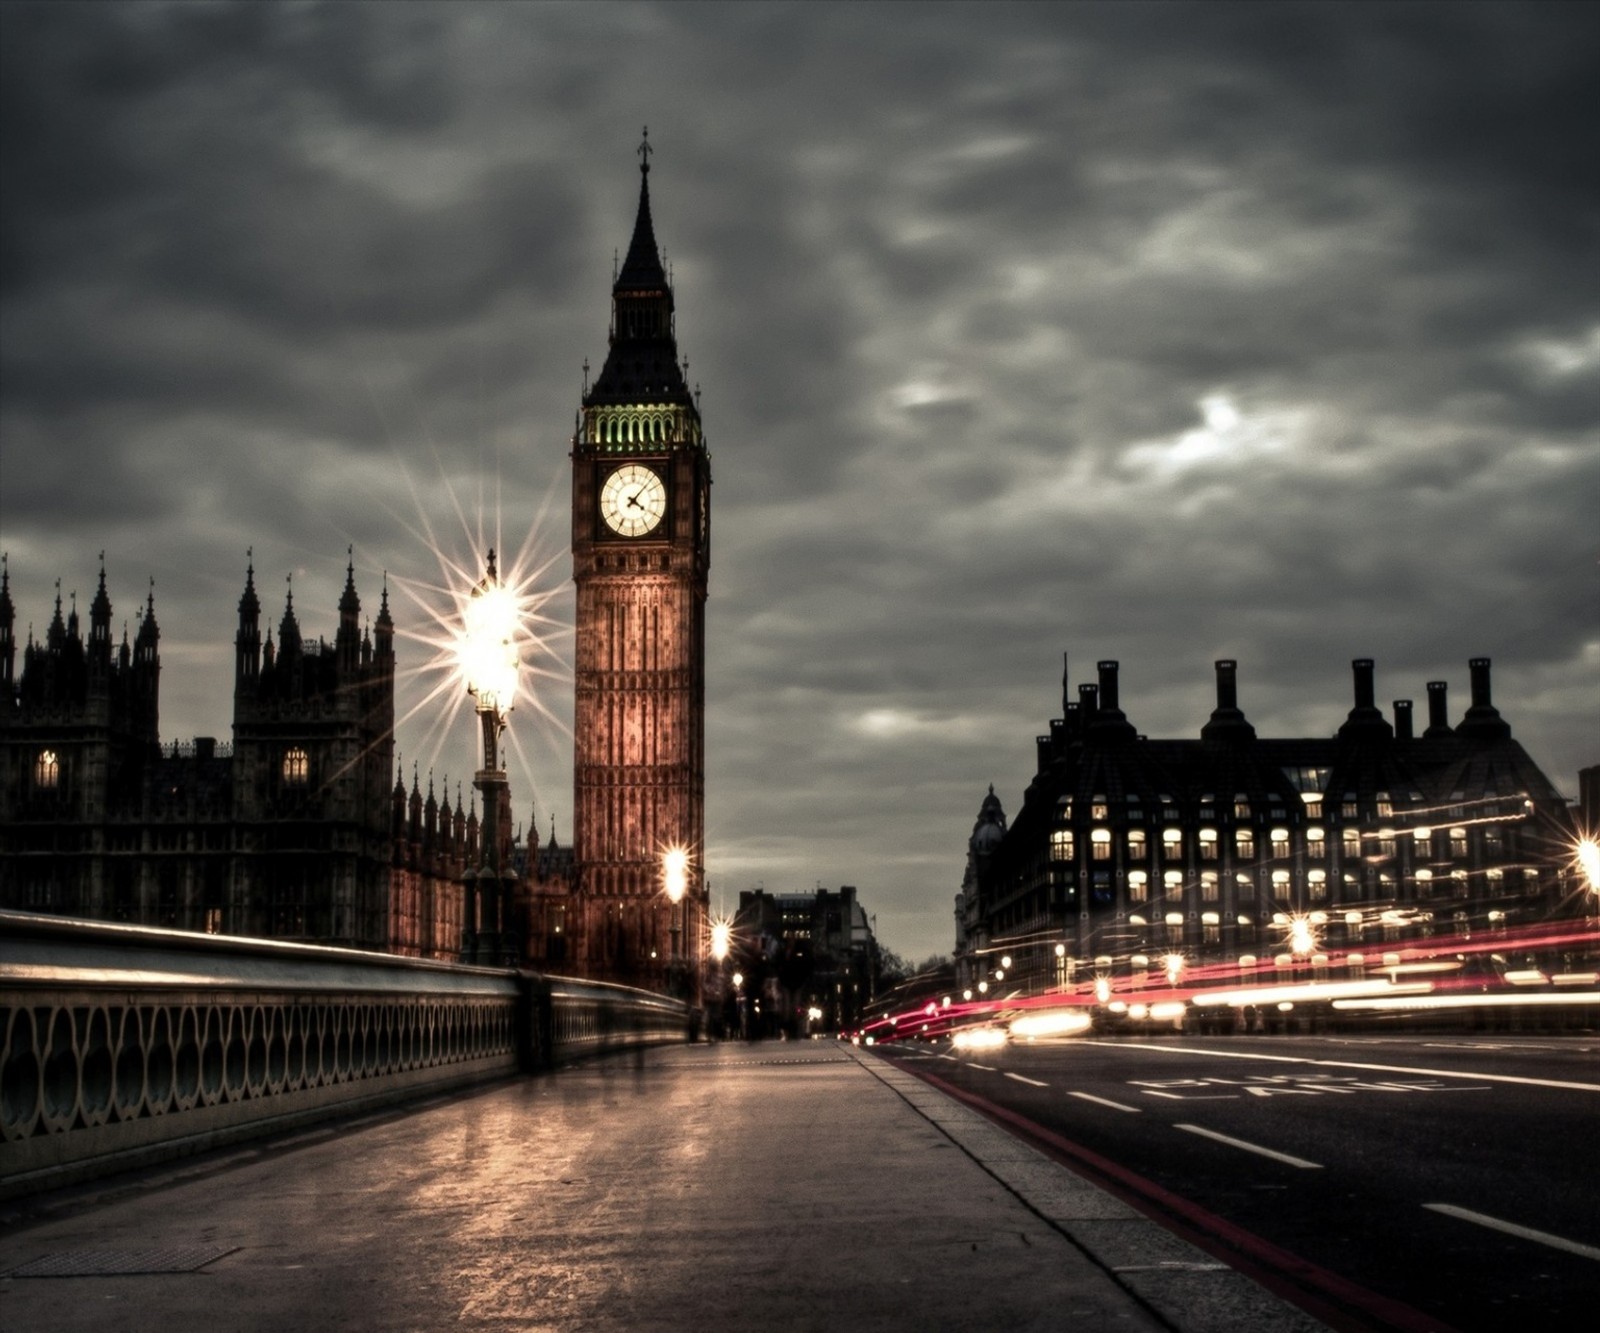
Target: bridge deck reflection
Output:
[(705, 1187)]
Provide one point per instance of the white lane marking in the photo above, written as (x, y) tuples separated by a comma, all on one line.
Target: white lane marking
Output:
[(1031, 1082), (1351, 1064), (1103, 1101), (1180, 1097), (1253, 1147), (1512, 1229), (987, 1069)]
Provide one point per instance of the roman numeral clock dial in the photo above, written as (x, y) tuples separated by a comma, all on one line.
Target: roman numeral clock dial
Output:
[(633, 500)]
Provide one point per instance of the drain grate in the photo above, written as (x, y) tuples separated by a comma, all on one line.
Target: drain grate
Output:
[(123, 1263)]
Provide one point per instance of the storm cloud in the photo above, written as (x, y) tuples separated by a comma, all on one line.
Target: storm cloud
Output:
[(1158, 332)]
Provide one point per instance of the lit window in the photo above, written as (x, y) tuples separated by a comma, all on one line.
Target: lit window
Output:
[(1424, 883), (1280, 881), (47, 772), (1458, 842), (1386, 842), (1097, 807), (1244, 842), (1172, 883), (1385, 806), (1280, 842), (1100, 844), (1494, 842), (295, 766), (1317, 882), (1241, 806), (1136, 845), (1347, 808), (1209, 889), (1172, 843), (1061, 845), (1352, 845), (1316, 843), (1138, 886), (1496, 878), (1208, 844), (1423, 838)]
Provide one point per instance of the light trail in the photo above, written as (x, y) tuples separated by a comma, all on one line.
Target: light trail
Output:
[(1355, 1064), (1256, 1148)]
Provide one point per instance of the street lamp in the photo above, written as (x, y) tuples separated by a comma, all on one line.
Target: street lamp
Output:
[(489, 662)]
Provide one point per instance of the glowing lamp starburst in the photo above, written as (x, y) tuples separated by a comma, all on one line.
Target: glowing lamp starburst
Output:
[(487, 652), (675, 873), (721, 939), (1587, 855)]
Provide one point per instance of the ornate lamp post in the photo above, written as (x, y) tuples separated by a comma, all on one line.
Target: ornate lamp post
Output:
[(489, 664)]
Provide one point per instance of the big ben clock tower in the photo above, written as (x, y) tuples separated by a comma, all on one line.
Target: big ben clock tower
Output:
[(641, 515)]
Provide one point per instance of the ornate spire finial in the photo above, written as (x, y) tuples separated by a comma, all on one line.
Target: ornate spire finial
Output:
[(644, 152)]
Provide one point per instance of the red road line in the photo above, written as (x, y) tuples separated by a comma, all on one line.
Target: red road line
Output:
[(1335, 1300)]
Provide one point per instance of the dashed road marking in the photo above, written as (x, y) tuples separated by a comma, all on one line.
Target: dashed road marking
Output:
[(1256, 1148), (1031, 1082), (1513, 1229), (1106, 1101)]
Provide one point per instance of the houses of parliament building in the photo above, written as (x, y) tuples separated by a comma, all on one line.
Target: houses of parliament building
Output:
[(298, 830)]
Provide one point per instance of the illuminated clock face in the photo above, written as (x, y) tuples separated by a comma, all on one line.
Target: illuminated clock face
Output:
[(633, 500)]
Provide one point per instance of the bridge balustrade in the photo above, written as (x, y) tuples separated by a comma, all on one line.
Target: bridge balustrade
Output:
[(124, 1044)]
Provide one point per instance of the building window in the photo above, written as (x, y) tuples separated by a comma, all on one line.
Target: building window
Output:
[(1172, 843), (1280, 842), (1354, 926), (1316, 844), (1211, 928), (1172, 884), (1209, 889), (1424, 883), (1347, 808), (1423, 840), (1317, 885), (1061, 845), (1097, 807), (1208, 844), (1352, 844), (1496, 878), (1458, 843), (1280, 883), (1494, 842), (1100, 844), (47, 771), (1136, 844), (295, 765), (1241, 806), (1138, 886), (1385, 806), (1244, 844), (1386, 843)]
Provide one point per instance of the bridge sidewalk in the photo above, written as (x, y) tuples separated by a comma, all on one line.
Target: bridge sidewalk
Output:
[(786, 1186)]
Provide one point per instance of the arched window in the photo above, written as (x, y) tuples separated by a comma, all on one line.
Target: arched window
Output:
[(47, 771), (295, 767)]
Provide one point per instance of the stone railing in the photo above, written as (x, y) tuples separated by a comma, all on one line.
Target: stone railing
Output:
[(121, 1045)]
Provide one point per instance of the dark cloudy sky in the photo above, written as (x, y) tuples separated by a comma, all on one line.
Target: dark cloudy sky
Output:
[(1140, 331)]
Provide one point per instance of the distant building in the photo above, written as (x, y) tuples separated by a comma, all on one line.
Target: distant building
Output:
[(1126, 848), (807, 951), (291, 832)]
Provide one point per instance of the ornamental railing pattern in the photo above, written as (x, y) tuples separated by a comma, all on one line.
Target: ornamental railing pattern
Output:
[(121, 1045)]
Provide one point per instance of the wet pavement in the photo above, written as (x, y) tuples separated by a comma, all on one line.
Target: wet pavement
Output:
[(785, 1185)]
